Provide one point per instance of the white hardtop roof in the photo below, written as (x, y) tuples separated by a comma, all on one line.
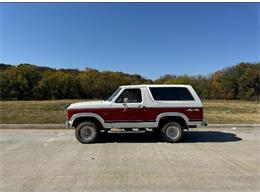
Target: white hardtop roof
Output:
[(155, 85)]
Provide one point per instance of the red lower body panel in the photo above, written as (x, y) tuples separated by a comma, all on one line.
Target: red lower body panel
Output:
[(194, 114)]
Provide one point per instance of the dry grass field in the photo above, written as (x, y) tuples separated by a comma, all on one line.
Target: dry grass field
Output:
[(231, 111), (53, 111)]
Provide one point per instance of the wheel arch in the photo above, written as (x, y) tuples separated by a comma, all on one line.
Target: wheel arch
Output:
[(164, 118), (81, 117)]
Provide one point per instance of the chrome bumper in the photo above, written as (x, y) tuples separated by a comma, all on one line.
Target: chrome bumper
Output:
[(68, 125), (204, 123), (194, 124)]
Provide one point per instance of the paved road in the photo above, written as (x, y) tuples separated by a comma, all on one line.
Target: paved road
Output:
[(221, 159)]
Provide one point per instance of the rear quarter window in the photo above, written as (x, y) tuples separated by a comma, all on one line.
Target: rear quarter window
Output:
[(171, 94)]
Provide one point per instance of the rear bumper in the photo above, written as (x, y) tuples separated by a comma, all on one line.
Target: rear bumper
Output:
[(204, 123), (68, 124), (194, 124)]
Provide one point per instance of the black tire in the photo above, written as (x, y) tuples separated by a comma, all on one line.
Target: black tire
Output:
[(86, 132), (172, 132)]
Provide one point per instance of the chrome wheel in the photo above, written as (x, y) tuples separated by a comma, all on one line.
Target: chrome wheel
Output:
[(172, 132), (86, 132)]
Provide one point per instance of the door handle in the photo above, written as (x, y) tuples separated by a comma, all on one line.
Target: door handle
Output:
[(141, 106)]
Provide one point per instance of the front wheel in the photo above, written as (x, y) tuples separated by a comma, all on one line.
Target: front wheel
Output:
[(86, 132), (172, 132)]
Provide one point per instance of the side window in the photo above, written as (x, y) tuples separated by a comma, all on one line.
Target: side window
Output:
[(171, 94), (133, 96)]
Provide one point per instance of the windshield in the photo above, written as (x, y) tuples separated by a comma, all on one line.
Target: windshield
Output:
[(113, 95)]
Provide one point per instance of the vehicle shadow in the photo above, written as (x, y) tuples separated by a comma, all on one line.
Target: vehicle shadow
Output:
[(209, 136), (188, 137)]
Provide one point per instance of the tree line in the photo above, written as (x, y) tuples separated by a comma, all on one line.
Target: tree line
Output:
[(31, 82)]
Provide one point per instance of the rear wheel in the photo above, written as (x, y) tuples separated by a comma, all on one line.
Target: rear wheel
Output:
[(86, 132), (172, 132)]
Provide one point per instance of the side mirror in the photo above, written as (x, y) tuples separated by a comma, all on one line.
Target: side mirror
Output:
[(125, 100), (125, 104)]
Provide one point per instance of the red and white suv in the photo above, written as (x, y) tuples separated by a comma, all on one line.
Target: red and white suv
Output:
[(168, 109)]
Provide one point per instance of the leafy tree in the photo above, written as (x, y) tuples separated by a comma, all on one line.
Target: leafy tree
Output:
[(59, 85), (27, 81), (216, 91), (9, 84), (28, 77), (88, 84), (249, 83)]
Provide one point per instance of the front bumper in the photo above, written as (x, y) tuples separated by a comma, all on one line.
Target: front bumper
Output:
[(68, 124)]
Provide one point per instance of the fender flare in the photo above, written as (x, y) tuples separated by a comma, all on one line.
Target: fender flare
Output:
[(89, 114), (166, 114)]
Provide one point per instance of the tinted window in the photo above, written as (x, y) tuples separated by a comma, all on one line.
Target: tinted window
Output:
[(171, 93), (133, 96)]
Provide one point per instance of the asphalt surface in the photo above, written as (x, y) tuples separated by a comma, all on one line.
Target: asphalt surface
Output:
[(208, 159)]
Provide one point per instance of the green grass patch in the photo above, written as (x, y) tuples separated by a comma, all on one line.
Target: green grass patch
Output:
[(53, 111)]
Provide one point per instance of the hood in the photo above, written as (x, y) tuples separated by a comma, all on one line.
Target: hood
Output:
[(89, 104)]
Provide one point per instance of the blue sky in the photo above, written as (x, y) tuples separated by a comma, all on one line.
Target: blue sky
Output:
[(150, 39)]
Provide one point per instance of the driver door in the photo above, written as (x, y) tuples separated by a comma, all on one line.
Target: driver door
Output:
[(128, 108)]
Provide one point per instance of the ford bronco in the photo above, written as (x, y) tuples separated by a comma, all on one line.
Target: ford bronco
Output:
[(166, 109)]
